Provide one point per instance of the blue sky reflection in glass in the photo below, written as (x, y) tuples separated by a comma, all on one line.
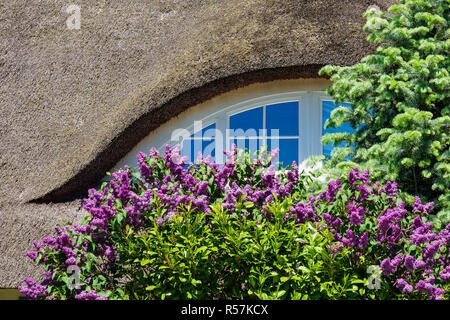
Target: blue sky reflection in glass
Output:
[(247, 123), (202, 141), (253, 145), (280, 117), (284, 117), (288, 151), (327, 108)]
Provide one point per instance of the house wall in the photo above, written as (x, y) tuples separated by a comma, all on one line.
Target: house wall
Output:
[(10, 294)]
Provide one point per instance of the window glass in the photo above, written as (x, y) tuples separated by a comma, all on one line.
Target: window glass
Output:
[(253, 145), (202, 141), (288, 150), (298, 116), (246, 132), (327, 108), (281, 116), (284, 117), (191, 148), (207, 132), (247, 123)]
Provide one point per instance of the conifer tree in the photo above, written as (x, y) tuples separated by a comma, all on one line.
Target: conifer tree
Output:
[(400, 102)]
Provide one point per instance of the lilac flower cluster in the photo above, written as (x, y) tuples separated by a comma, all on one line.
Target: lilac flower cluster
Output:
[(397, 231), (166, 178), (350, 209), (32, 289), (91, 295), (359, 215), (390, 266), (70, 251)]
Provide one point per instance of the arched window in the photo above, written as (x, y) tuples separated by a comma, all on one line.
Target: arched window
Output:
[(292, 121)]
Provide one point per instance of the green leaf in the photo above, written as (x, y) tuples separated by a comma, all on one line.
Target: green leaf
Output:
[(145, 262), (249, 204)]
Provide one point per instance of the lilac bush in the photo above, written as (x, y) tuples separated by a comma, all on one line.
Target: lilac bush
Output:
[(145, 222), (372, 221)]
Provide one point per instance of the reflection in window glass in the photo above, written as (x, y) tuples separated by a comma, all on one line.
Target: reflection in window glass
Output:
[(288, 151), (284, 117), (327, 108), (207, 132), (248, 144), (249, 123), (202, 141)]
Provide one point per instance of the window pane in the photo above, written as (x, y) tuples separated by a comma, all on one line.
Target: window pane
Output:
[(288, 150), (204, 142), (284, 117), (252, 144), (207, 132), (209, 149), (327, 108), (187, 149), (247, 123), (191, 148)]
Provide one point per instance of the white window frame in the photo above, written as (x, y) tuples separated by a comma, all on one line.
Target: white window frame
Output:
[(310, 119)]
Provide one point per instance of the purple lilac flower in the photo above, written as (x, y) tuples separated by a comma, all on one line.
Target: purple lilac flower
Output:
[(175, 156), (409, 262), (330, 193), (390, 266), (445, 274), (427, 272), (419, 207), (434, 293), (356, 214), (431, 249), (121, 184), (354, 176), (33, 290), (444, 235), (292, 175), (351, 239), (332, 221), (421, 232), (403, 285), (33, 255), (70, 261), (390, 189), (390, 231), (268, 176), (91, 295), (144, 169), (376, 189), (364, 192), (363, 240), (418, 264), (274, 154), (303, 212), (231, 155)]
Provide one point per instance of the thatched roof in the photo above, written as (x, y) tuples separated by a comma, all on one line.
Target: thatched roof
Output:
[(73, 102)]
